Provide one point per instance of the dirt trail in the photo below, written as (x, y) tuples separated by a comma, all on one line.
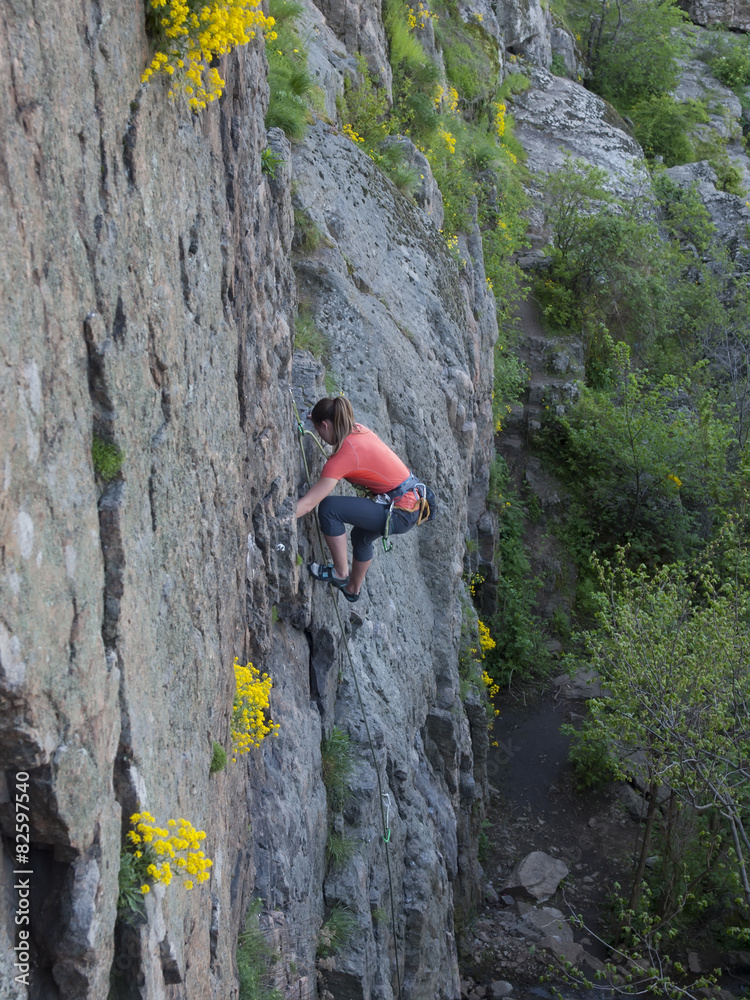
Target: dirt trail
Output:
[(535, 806)]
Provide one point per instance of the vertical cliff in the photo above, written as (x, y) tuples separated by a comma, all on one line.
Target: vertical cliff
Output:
[(147, 307), (147, 301)]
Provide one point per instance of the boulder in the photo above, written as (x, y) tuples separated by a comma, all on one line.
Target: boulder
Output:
[(538, 875), (729, 212), (550, 923), (734, 14), (582, 685), (557, 116), (499, 989)]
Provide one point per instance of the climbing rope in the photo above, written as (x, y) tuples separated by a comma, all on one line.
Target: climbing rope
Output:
[(385, 799)]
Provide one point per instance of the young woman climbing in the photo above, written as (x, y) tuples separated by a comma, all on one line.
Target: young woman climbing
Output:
[(360, 457)]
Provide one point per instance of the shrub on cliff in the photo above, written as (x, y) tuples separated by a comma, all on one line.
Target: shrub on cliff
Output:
[(662, 126), (289, 83), (633, 48), (189, 34)]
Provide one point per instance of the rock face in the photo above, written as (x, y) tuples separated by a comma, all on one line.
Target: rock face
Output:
[(148, 302), (410, 339), (734, 14), (359, 25), (557, 118)]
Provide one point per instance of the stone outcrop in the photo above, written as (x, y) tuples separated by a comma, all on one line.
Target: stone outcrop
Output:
[(538, 875), (359, 25), (148, 303), (734, 14), (557, 118), (410, 337)]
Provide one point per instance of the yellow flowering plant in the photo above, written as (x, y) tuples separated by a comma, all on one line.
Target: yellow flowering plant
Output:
[(188, 34), (154, 855), (249, 726)]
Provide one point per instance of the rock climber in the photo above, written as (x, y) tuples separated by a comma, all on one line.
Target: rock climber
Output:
[(360, 457)]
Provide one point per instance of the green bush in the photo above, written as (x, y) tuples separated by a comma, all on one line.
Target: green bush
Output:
[(730, 61), (289, 83), (254, 960), (107, 458), (518, 651), (646, 459), (589, 756), (559, 66), (339, 848), (683, 212), (337, 762), (611, 269), (337, 931), (406, 52), (662, 126), (218, 758), (308, 336), (634, 46)]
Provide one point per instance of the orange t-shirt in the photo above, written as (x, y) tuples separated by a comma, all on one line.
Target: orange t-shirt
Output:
[(364, 460)]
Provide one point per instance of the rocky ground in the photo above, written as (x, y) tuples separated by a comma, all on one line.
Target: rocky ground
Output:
[(551, 852), (579, 844)]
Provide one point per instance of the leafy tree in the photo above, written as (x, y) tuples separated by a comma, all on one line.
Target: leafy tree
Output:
[(645, 457), (674, 650), (662, 126), (634, 47), (611, 269)]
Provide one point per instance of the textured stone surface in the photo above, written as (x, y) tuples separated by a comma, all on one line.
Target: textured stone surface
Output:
[(538, 875), (558, 117), (410, 338), (145, 291), (359, 25), (328, 62), (729, 212), (427, 194), (525, 27), (733, 14), (697, 83)]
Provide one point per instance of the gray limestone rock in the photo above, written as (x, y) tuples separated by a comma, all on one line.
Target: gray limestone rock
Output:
[(410, 334), (359, 25), (146, 302), (328, 61), (499, 989), (734, 14), (525, 26), (563, 44), (557, 116), (538, 875), (583, 684), (697, 83), (569, 951), (549, 923)]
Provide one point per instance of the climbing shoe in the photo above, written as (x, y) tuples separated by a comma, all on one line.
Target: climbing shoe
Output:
[(325, 575), (351, 598)]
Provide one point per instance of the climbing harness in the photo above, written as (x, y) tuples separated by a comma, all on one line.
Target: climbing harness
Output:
[(423, 495), (385, 799)]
